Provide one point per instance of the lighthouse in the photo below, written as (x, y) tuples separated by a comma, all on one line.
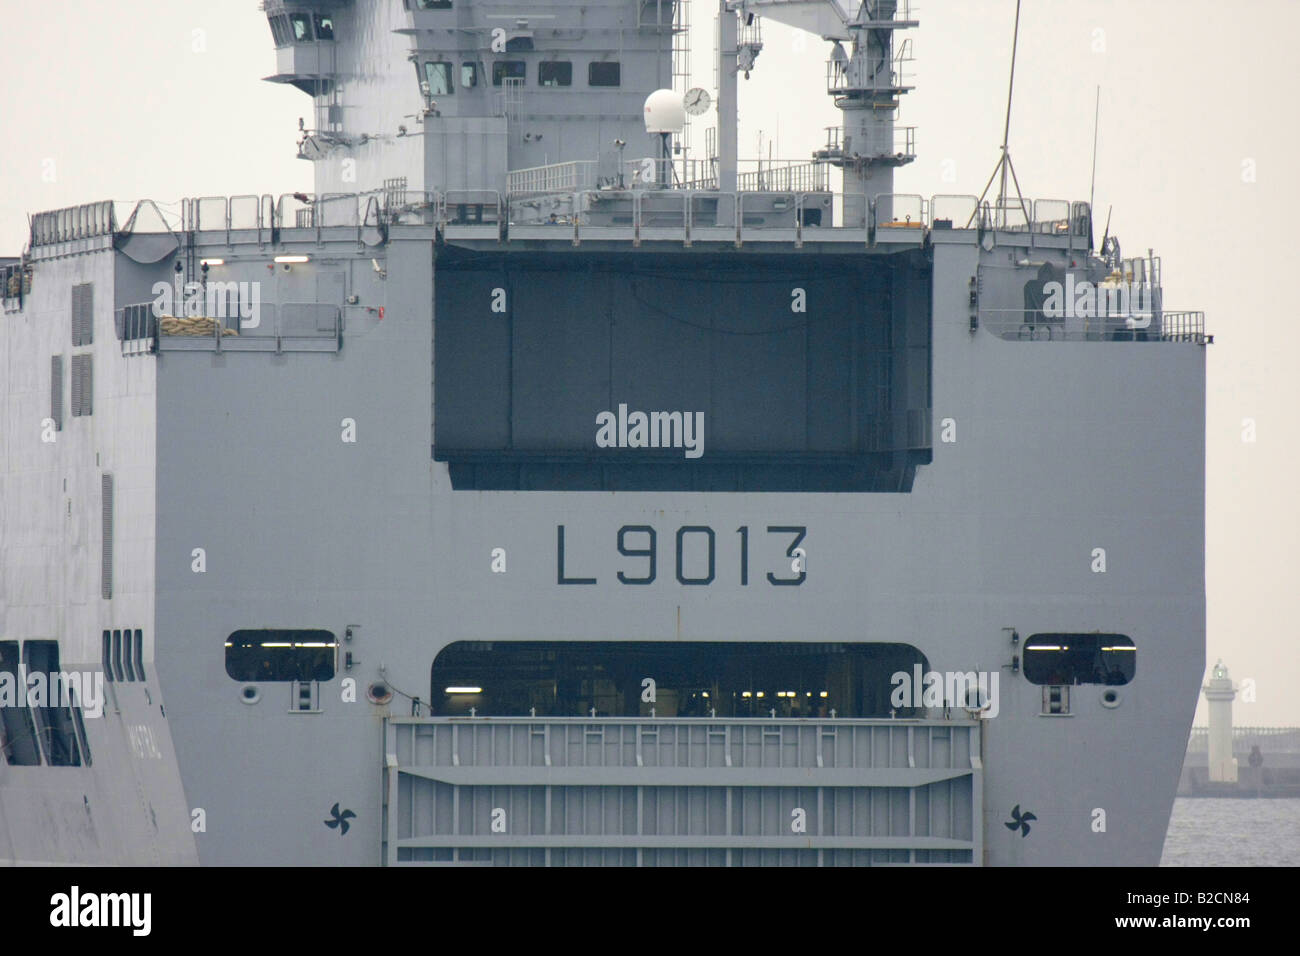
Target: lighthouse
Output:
[(1220, 692)]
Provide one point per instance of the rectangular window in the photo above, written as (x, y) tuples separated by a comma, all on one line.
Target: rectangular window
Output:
[(555, 73), (17, 729), (519, 45), (693, 678), (503, 70), (128, 655), (324, 27), (604, 74), (118, 673), (304, 696), (280, 655), (279, 30), (106, 550), (80, 724), (139, 654), (433, 4), (108, 655), (301, 23), (56, 391), (53, 713), (1066, 659), (438, 76), (469, 74)]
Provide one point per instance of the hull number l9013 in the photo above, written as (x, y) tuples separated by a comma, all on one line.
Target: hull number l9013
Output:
[(696, 557)]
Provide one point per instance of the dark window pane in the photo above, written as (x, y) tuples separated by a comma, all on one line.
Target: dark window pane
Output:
[(508, 69), (438, 76), (280, 655), (691, 679), (555, 73), (301, 23), (17, 728), (53, 715), (604, 74), (324, 27), (1080, 659), (519, 44), (139, 654)]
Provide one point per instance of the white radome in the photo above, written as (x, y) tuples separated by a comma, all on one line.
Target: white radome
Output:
[(664, 112)]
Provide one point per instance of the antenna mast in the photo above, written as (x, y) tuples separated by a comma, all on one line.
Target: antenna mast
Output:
[(1004, 162), (1092, 188)]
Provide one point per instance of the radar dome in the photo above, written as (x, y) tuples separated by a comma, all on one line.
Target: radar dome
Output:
[(664, 112)]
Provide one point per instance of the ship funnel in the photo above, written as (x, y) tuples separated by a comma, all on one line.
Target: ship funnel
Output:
[(664, 112)]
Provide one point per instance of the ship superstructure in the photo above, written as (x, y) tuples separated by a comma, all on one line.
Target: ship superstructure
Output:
[(547, 487)]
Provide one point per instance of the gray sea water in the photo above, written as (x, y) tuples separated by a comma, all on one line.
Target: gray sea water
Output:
[(1207, 831)]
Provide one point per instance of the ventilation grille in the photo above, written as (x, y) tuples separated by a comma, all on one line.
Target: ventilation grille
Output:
[(83, 388), (106, 572), (83, 323), (56, 391)]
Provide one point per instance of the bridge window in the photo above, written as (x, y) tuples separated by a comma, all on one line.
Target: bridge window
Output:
[(17, 729), (324, 27), (301, 25), (604, 74), (503, 70), (675, 679), (439, 77), (280, 655), (1080, 659), (555, 73), (53, 707), (433, 4), (280, 32), (469, 74)]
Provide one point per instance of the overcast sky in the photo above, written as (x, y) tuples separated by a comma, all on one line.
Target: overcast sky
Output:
[(126, 100)]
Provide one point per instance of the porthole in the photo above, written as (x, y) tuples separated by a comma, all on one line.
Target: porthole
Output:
[(1110, 698), (250, 694), (379, 693)]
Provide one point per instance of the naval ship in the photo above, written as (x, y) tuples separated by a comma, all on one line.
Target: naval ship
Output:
[(550, 486)]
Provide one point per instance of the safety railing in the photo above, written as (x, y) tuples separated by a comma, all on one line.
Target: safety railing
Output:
[(678, 173), (897, 142), (1139, 326), (556, 177), (895, 210), (850, 76), (1280, 738), (137, 329), (1184, 327), (952, 211), (471, 207), (248, 217), (783, 176), (15, 281), (282, 327), (881, 13), (73, 222)]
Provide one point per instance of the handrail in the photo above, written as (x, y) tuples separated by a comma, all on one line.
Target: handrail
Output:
[(491, 207)]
